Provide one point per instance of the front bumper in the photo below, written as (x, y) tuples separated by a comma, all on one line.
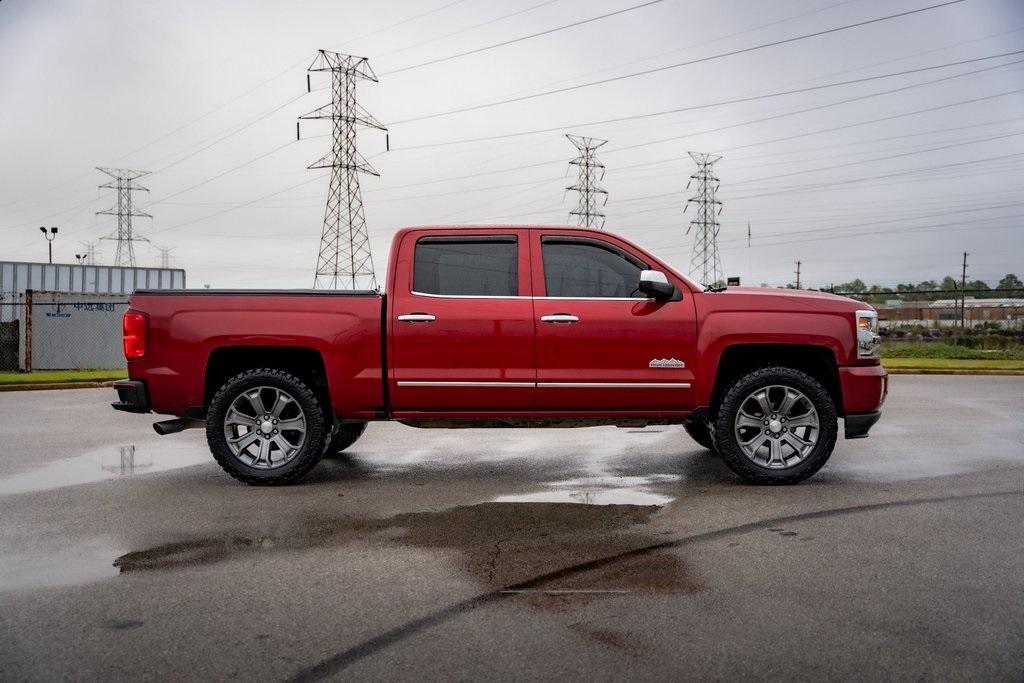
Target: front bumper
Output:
[(864, 388), (131, 396), (857, 426)]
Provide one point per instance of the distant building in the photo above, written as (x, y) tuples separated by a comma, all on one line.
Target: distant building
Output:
[(1007, 312), (72, 318), (16, 277)]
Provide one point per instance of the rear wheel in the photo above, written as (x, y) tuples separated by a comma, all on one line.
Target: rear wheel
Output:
[(344, 436), (265, 427), (776, 426)]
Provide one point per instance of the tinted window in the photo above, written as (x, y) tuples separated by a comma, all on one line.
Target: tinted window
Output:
[(582, 269), (466, 266)]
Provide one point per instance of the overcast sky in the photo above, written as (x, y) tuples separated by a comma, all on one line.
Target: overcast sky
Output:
[(150, 86)]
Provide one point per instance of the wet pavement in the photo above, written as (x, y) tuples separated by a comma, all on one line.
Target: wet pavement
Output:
[(595, 553)]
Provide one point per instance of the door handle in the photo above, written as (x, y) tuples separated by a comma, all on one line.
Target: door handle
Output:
[(416, 318), (559, 318)]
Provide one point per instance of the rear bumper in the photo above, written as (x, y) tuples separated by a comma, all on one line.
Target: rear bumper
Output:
[(857, 426), (131, 396)]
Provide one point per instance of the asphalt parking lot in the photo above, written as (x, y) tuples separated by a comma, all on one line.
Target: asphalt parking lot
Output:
[(597, 553)]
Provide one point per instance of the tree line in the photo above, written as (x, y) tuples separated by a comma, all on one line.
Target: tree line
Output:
[(930, 290)]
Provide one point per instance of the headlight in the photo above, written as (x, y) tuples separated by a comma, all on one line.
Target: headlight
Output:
[(868, 341)]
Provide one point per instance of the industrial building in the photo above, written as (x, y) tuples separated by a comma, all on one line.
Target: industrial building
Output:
[(67, 316)]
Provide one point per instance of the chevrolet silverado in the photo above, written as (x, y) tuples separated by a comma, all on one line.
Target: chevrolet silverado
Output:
[(507, 326)]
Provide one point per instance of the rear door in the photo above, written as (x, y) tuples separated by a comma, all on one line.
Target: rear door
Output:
[(462, 323), (602, 346)]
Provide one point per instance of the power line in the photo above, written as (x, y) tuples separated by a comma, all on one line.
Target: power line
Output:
[(749, 98), (526, 37), (883, 176), (469, 28), (286, 71), (829, 105), (690, 62)]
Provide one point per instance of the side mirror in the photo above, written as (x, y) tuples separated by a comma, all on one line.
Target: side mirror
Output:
[(654, 284)]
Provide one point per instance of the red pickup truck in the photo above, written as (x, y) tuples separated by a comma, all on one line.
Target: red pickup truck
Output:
[(507, 326)]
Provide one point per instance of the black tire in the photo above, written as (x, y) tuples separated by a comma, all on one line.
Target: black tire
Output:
[(345, 435), (700, 431), (313, 443), (733, 399)]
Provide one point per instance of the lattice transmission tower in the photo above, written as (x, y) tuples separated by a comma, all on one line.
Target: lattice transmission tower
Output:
[(165, 256), (90, 253), (344, 261), (705, 263), (124, 184), (590, 174)]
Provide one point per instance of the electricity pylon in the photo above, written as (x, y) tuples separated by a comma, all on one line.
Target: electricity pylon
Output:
[(705, 263), (124, 184), (90, 253), (590, 173), (344, 261), (165, 256)]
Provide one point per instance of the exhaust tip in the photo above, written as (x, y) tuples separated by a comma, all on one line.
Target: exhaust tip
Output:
[(176, 425)]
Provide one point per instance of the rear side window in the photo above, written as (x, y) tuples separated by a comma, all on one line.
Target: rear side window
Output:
[(577, 268), (466, 266)]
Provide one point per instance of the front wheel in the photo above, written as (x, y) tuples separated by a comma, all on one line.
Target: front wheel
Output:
[(700, 431), (265, 427), (776, 426)]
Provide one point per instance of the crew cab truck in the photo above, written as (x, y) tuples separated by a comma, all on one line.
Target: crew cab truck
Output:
[(507, 326)]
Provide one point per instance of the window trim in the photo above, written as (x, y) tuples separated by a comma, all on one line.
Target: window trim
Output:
[(589, 241), (462, 239)]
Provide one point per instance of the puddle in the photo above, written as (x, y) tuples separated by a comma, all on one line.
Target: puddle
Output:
[(598, 490), (500, 544), (64, 565), (110, 462)]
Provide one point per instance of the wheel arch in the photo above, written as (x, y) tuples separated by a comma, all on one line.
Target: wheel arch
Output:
[(304, 362), (737, 360)]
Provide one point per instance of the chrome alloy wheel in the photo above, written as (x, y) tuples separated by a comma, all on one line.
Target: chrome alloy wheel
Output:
[(776, 427), (265, 427)]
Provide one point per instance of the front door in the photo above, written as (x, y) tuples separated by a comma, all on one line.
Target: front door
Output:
[(462, 334), (602, 346)]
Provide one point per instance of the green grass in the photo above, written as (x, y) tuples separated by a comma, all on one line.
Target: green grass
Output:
[(941, 350), (53, 376), (966, 364)]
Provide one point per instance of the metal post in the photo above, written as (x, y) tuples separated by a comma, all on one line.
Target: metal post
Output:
[(28, 330), (963, 291)]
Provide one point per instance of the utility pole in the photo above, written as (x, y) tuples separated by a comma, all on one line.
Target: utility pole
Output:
[(165, 256), (344, 260), (590, 173), (124, 184), (963, 292), (705, 263), (50, 237), (798, 274), (748, 233)]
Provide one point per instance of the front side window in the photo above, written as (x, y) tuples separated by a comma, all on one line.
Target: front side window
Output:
[(578, 269), (467, 266)]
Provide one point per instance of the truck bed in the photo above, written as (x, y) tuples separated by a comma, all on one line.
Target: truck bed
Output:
[(188, 327)]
